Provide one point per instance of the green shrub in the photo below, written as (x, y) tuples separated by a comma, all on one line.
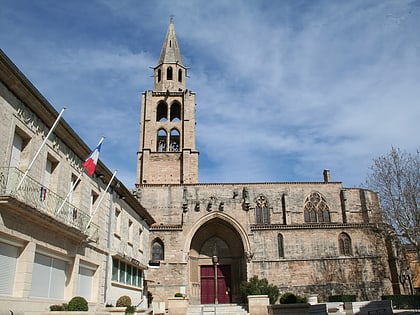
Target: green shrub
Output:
[(130, 309), (123, 301), (109, 305), (290, 298), (257, 286), (56, 307), (179, 295), (78, 303)]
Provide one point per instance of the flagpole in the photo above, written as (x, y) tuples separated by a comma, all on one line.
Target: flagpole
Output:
[(100, 200), (75, 182), (40, 148), (70, 191)]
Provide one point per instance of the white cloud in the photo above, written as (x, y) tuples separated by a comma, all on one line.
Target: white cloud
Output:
[(284, 89)]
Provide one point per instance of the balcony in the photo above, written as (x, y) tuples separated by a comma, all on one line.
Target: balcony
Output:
[(41, 200)]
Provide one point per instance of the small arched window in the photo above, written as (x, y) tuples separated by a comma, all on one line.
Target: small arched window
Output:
[(162, 112), (169, 73), (158, 252), (262, 211), (175, 111), (179, 75), (344, 244), (280, 245), (159, 75), (161, 141), (316, 209), (174, 140)]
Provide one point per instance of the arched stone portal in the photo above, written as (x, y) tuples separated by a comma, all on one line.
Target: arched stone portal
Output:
[(216, 239)]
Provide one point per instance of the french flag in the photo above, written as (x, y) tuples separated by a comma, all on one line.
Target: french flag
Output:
[(92, 160)]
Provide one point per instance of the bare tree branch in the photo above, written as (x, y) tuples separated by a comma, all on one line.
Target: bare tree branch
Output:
[(396, 177)]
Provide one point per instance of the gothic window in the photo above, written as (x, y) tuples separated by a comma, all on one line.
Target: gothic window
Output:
[(316, 209), (162, 112), (280, 245), (159, 75), (161, 141), (262, 211), (175, 112), (344, 244), (157, 250), (169, 73), (179, 75), (174, 141)]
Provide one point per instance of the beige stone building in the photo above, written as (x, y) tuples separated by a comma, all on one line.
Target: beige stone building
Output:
[(54, 245), (305, 237)]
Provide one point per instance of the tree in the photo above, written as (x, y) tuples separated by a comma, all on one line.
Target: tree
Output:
[(396, 177)]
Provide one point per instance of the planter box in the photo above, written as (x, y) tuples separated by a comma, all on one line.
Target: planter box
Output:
[(257, 304), (289, 309), (178, 306)]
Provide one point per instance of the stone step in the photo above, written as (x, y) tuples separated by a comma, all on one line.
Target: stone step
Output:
[(219, 309)]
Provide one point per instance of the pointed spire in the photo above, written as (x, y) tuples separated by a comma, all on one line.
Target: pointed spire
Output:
[(170, 50)]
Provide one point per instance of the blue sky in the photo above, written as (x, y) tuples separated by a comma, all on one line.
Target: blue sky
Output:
[(285, 89)]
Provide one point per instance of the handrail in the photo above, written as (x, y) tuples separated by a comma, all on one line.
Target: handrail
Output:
[(45, 200)]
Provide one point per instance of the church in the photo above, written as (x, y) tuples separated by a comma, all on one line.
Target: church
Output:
[(65, 233), (305, 237)]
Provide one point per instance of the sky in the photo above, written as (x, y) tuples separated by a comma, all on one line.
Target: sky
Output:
[(285, 89)]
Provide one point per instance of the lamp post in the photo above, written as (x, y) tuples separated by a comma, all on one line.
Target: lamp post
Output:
[(215, 260)]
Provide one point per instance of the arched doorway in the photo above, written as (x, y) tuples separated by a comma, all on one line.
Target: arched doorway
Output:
[(217, 263)]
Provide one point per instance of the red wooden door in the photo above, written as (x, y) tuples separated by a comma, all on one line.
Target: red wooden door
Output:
[(223, 284)]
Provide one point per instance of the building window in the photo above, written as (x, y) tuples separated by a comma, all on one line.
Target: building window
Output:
[(169, 73), (130, 231), (161, 140), (179, 75), (20, 141), (280, 245), (162, 112), (158, 250), (48, 277), (316, 209), (50, 166), (126, 273), (159, 75), (85, 280), (174, 140), (175, 111), (93, 197), (8, 261), (262, 211), (344, 244), (117, 220)]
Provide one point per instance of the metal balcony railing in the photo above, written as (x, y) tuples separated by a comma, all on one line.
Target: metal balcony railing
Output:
[(44, 200)]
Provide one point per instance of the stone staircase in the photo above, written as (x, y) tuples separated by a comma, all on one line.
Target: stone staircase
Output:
[(216, 309)]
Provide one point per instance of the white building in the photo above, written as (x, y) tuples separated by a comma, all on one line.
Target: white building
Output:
[(53, 248)]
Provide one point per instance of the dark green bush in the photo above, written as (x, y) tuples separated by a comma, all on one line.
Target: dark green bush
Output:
[(342, 298), (257, 286), (290, 298), (179, 295), (123, 301), (56, 307), (109, 305), (404, 301), (130, 309), (78, 303)]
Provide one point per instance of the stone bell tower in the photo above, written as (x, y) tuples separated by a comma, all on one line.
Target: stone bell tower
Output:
[(167, 153)]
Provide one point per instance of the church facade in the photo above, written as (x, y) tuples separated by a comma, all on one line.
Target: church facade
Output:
[(305, 237)]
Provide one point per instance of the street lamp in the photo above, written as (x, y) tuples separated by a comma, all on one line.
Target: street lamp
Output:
[(215, 260)]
